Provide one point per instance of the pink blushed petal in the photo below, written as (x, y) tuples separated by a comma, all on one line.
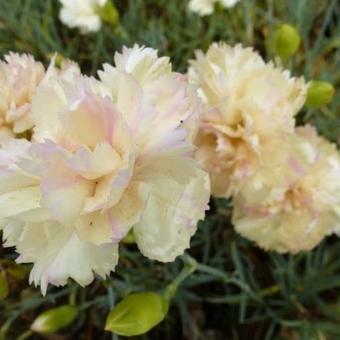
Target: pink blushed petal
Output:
[(90, 119)]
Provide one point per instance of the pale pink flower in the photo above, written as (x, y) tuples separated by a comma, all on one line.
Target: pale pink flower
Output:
[(19, 77), (247, 104), (293, 201), (109, 157)]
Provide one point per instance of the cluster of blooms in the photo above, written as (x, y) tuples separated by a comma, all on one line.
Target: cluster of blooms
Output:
[(284, 181), (85, 161), (206, 7), (101, 158)]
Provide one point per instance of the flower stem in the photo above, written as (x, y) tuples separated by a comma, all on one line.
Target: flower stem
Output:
[(190, 265)]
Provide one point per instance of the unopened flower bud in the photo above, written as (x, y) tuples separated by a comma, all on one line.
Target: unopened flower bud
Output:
[(109, 13), (287, 41), (137, 314), (54, 319), (319, 93)]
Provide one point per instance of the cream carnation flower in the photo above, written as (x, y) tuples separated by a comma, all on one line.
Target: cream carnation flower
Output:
[(57, 252), (247, 103), (206, 7), (293, 201), (107, 157), (19, 77), (82, 14)]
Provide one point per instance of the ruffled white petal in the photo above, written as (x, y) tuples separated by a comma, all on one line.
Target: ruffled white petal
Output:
[(59, 254), (113, 224), (178, 199)]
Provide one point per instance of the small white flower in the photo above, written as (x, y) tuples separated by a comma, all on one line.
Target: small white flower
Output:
[(82, 14), (202, 7), (206, 7), (228, 3)]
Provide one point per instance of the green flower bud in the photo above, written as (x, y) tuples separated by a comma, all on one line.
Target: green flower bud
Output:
[(4, 290), (58, 58), (109, 13), (319, 93), (286, 41), (54, 319), (137, 314)]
